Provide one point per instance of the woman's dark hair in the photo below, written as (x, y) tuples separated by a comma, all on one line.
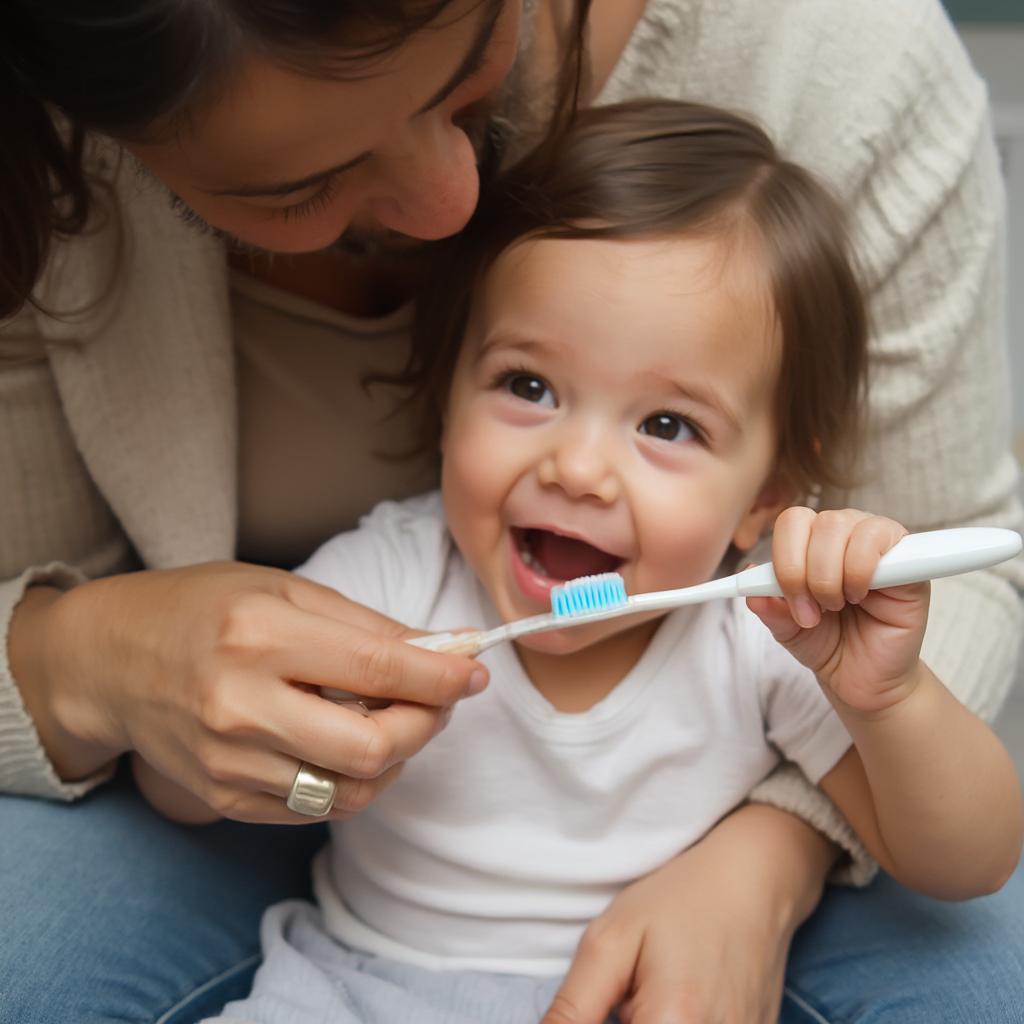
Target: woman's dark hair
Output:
[(120, 68), (655, 168)]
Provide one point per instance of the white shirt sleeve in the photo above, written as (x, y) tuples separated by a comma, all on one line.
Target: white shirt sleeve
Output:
[(393, 562), (798, 719)]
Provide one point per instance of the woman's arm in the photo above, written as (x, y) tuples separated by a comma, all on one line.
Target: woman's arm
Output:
[(928, 210), (707, 935), (25, 767), (920, 175), (72, 752)]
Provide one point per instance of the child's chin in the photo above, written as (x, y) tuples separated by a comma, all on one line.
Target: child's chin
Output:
[(567, 641)]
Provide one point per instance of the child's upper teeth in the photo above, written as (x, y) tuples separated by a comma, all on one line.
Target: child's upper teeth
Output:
[(526, 553)]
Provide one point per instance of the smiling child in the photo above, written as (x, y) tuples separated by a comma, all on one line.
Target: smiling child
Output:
[(661, 351)]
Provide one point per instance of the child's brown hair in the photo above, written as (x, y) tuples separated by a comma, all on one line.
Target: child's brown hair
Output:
[(659, 168)]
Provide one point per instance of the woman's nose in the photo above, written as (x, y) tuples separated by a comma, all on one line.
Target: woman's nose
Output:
[(430, 185), (581, 462)]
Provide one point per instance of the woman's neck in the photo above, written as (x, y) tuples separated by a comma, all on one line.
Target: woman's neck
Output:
[(610, 27), (363, 286)]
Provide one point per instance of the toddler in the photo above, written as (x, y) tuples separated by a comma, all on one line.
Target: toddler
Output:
[(651, 350)]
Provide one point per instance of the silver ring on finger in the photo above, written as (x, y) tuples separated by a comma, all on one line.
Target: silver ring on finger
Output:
[(312, 791)]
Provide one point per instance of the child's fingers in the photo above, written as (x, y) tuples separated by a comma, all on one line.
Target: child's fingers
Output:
[(826, 555), (775, 613), (870, 539), (790, 538)]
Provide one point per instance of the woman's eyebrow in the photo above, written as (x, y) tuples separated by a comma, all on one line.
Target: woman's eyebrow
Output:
[(468, 66)]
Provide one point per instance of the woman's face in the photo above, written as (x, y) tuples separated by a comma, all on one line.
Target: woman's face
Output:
[(290, 163)]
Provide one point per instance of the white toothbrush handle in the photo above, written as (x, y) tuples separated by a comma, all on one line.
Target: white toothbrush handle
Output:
[(917, 557)]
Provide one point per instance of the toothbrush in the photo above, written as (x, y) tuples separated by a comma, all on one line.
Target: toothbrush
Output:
[(915, 558)]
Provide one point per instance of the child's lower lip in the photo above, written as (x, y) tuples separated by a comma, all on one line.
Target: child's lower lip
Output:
[(532, 585)]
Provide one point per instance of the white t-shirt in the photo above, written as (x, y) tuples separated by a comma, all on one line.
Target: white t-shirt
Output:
[(517, 825)]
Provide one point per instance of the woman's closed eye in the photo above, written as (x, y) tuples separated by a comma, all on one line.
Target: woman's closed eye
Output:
[(670, 426), (324, 195), (318, 201), (529, 387)]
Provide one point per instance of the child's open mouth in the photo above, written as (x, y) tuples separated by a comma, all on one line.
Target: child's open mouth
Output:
[(557, 558)]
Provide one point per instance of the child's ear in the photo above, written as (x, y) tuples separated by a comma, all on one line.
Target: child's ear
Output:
[(776, 494)]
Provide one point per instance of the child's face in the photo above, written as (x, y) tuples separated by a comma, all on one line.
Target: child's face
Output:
[(611, 410)]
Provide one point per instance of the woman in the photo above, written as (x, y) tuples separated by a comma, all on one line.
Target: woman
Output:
[(167, 408)]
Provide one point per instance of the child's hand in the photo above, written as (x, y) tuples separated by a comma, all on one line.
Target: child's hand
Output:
[(862, 645)]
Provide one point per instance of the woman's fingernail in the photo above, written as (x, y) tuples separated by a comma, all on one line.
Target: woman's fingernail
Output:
[(477, 681), (806, 613)]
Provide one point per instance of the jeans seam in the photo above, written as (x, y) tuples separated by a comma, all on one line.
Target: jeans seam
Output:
[(243, 965), (805, 1006)]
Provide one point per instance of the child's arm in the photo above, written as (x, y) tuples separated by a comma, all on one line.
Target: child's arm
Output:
[(929, 788), (932, 793)]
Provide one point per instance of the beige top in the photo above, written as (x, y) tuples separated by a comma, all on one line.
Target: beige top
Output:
[(118, 425), (316, 448)]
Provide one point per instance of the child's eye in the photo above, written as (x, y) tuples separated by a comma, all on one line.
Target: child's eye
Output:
[(669, 426), (530, 388)]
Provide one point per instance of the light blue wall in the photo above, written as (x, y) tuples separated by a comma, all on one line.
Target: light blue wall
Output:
[(985, 10)]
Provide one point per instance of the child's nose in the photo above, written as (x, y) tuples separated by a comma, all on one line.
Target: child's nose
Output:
[(581, 462)]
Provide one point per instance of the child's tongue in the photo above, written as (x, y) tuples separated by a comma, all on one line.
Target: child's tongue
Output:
[(563, 558)]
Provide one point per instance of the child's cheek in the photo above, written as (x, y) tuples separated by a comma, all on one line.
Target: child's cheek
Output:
[(691, 549)]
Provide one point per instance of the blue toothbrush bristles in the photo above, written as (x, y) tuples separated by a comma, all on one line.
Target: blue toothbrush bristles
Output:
[(588, 594)]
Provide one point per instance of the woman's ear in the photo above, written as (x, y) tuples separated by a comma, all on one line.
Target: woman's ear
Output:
[(776, 494)]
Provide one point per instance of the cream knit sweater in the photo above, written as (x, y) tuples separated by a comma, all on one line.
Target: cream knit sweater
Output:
[(117, 425)]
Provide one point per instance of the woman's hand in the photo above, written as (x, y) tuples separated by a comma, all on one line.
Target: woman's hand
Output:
[(704, 938), (863, 646), (211, 673)]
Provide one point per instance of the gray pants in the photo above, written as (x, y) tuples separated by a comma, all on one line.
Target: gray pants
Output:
[(307, 977)]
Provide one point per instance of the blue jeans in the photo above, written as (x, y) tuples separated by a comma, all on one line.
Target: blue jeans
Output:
[(109, 913)]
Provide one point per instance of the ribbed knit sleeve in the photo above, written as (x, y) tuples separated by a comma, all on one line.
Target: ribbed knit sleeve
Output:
[(879, 99), (55, 529)]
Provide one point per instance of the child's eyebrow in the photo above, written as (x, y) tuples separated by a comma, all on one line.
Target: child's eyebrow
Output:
[(504, 342), (700, 394)]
